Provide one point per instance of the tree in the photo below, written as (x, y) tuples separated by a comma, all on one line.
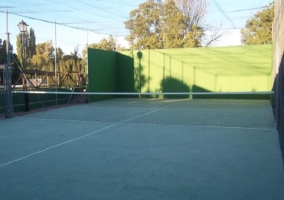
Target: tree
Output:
[(59, 59), (42, 57), (14, 61), (194, 10), (26, 48), (167, 24), (258, 29), (109, 44), (73, 61), (174, 26), (145, 26), (41, 60), (31, 50), (3, 54)]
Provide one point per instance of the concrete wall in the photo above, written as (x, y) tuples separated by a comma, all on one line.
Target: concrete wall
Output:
[(278, 70), (278, 35)]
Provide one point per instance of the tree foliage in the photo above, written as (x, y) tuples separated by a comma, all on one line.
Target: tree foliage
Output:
[(145, 26), (13, 62), (258, 29), (3, 54), (105, 44), (167, 24), (26, 47), (174, 26), (109, 44), (41, 60), (31, 50)]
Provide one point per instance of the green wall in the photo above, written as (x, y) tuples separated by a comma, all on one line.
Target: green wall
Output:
[(218, 69), (125, 73), (101, 72)]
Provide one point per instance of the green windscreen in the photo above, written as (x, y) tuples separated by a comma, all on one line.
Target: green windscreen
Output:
[(216, 69), (101, 71)]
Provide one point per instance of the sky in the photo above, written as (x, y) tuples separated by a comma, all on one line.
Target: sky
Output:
[(79, 22)]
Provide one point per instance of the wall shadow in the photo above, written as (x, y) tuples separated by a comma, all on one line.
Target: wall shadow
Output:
[(211, 68), (196, 88), (125, 73), (170, 84), (130, 78), (140, 79), (207, 94), (278, 104), (274, 100)]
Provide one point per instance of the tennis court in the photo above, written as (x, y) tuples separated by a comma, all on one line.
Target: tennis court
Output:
[(143, 149)]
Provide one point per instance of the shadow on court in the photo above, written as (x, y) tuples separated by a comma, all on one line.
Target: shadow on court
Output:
[(61, 159)]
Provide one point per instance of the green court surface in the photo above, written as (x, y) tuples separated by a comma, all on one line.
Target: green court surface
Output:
[(117, 157)]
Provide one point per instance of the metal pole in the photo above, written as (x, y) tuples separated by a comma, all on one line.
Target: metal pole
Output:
[(86, 66), (25, 87), (87, 37), (7, 77), (55, 62)]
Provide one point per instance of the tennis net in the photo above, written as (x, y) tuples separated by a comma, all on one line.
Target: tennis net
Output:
[(251, 110)]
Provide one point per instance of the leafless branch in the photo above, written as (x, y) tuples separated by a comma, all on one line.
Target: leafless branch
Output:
[(194, 10), (214, 35)]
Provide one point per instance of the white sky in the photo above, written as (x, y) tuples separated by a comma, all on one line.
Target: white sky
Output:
[(104, 18)]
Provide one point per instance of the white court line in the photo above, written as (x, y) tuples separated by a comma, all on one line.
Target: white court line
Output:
[(78, 138)]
